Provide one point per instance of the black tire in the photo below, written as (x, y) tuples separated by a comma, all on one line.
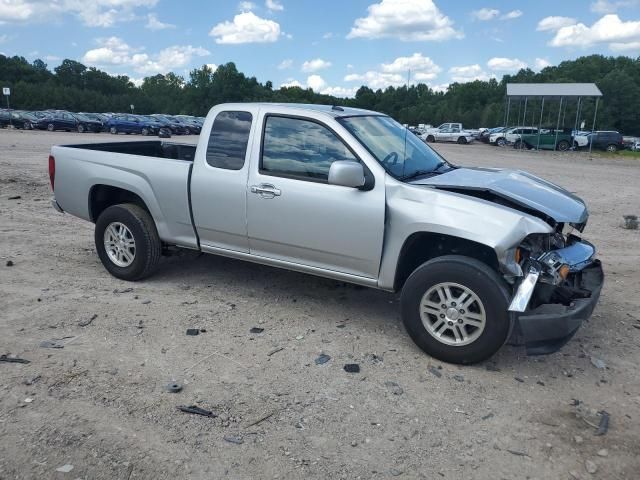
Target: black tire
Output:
[(501, 142), (489, 287), (113, 131), (145, 132), (563, 146), (80, 128), (26, 126), (612, 148), (431, 139), (462, 140), (148, 246), (51, 127)]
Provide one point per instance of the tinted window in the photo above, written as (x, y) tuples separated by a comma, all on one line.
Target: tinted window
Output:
[(301, 148), (228, 140)]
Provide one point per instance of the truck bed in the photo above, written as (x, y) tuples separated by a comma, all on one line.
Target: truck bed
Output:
[(157, 172), (150, 148)]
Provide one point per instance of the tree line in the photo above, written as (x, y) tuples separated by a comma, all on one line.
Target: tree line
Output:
[(76, 87)]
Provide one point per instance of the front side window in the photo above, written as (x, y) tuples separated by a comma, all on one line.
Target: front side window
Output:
[(300, 148), (229, 139)]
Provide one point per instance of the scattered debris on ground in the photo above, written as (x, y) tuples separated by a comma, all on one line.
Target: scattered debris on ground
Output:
[(8, 359), (174, 387), (435, 371), (9, 263), (322, 359), (598, 363), (86, 322), (65, 468), (256, 330), (195, 410), (352, 368), (192, 332), (630, 222), (233, 439)]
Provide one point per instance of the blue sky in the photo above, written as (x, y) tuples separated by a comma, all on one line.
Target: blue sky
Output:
[(333, 46)]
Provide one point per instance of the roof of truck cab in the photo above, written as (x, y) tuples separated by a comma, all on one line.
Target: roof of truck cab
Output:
[(331, 110)]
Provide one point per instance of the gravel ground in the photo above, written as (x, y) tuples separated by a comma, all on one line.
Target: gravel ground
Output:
[(100, 404)]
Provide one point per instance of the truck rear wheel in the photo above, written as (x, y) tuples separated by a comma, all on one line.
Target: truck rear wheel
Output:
[(127, 241), (455, 308)]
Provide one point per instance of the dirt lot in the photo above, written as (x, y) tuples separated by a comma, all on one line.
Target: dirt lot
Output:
[(100, 404)]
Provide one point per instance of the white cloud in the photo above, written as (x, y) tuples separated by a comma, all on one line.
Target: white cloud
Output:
[(406, 20), (604, 6), (212, 66), (468, 73), (342, 92), (422, 68), (511, 15), (442, 87), (284, 64), (246, 6), (506, 64), (542, 63), (114, 51), (291, 83), (625, 47), (395, 74), (377, 80), (274, 6), (246, 27), (551, 24), (154, 24), (315, 65), (96, 13), (327, 35), (4, 38), (609, 29), (316, 82), (485, 14)]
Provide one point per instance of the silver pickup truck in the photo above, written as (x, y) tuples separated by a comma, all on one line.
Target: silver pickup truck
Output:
[(482, 256)]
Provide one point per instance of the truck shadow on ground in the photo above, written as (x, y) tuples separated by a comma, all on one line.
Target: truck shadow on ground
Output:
[(367, 309)]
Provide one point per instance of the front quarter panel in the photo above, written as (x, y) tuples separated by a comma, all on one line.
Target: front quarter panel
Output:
[(413, 209)]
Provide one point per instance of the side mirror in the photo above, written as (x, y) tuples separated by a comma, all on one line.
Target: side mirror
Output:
[(347, 173)]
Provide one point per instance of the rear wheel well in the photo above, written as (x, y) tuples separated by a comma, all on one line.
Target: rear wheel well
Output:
[(423, 246), (102, 197)]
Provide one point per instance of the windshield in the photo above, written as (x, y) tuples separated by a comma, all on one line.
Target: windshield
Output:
[(402, 154), (82, 117)]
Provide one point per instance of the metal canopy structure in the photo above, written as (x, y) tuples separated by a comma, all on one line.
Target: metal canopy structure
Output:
[(549, 90), (523, 92)]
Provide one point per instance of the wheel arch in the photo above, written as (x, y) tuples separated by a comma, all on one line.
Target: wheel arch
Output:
[(102, 196), (421, 247)]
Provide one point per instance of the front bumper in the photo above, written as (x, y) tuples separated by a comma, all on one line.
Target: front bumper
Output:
[(547, 327)]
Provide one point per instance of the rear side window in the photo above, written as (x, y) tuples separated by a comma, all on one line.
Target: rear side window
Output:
[(300, 148), (229, 139)]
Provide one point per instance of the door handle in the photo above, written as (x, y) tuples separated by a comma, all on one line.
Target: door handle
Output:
[(266, 190)]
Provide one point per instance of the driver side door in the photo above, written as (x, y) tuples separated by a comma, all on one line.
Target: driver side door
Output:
[(295, 215)]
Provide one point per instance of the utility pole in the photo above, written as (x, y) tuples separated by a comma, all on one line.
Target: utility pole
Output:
[(6, 91)]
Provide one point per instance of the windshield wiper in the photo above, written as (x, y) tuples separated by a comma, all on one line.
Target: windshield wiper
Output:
[(419, 173)]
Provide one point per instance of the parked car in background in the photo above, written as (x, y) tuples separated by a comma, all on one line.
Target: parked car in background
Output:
[(5, 118), (510, 135), (67, 121), (450, 135), (610, 141), (176, 127), (635, 146), (485, 134), (129, 123), (546, 139)]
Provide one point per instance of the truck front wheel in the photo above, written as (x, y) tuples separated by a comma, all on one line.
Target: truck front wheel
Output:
[(455, 308), (127, 241)]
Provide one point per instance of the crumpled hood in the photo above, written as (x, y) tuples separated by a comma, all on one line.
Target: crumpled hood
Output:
[(515, 185)]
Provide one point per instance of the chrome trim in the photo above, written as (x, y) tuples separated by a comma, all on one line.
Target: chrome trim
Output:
[(525, 290)]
